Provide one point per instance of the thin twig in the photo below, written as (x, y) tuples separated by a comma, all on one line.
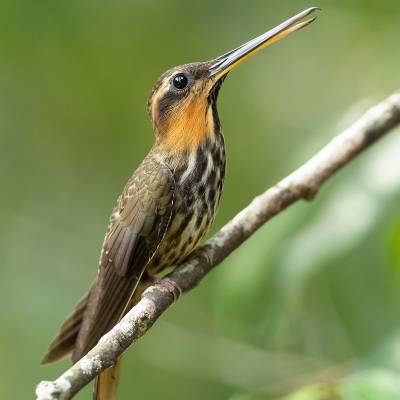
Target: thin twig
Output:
[(303, 183)]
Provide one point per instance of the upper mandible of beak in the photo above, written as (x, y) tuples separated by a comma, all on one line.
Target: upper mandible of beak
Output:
[(228, 61)]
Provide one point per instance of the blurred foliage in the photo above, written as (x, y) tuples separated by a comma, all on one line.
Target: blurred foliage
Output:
[(311, 299)]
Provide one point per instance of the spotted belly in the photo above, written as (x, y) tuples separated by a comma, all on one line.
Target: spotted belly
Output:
[(199, 187), (189, 224)]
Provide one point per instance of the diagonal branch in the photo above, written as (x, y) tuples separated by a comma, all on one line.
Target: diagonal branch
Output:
[(303, 183)]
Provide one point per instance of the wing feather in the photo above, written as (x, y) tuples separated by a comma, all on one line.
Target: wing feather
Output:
[(64, 342), (137, 226)]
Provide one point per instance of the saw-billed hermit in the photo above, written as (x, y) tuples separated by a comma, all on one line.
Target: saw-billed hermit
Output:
[(168, 204)]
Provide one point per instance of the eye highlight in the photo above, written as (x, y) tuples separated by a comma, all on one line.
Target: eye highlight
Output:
[(180, 81)]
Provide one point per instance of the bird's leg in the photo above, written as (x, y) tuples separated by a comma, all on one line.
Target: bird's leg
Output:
[(167, 283), (172, 287)]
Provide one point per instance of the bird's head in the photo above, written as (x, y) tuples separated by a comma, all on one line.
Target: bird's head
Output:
[(182, 104)]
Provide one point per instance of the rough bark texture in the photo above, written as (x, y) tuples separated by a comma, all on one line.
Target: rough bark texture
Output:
[(303, 183)]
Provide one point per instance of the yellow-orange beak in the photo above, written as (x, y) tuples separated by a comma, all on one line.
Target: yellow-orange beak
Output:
[(228, 61)]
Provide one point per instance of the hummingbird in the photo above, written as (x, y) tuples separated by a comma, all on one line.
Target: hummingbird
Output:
[(168, 204)]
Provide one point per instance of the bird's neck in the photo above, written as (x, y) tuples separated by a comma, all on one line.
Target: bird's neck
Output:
[(189, 127), (193, 144), (194, 165)]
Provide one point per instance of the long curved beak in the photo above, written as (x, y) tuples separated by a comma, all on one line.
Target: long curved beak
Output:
[(228, 61)]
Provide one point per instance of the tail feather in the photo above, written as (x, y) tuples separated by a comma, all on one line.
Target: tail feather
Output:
[(106, 384), (64, 343)]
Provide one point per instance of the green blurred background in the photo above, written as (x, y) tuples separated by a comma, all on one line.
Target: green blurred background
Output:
[(313, 297)]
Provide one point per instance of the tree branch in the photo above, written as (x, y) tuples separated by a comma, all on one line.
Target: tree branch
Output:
[(303, 183)]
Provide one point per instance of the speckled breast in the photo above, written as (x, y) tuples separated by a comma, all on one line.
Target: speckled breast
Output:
[(199, 181)]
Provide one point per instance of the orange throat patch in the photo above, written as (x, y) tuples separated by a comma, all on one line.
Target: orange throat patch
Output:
[(189, 126)]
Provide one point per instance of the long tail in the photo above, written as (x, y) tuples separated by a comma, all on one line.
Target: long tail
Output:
[(106, 384), (64, 343)]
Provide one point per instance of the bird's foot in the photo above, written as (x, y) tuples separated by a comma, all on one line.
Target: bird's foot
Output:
[(167, 283), (172, 287)]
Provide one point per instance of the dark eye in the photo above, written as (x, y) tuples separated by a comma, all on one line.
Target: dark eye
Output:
[(180, 81)]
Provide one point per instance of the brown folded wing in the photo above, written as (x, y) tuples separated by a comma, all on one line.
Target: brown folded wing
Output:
[(137, 226)]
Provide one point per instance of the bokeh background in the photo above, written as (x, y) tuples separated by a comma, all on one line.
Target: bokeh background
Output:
[(308, 308)]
